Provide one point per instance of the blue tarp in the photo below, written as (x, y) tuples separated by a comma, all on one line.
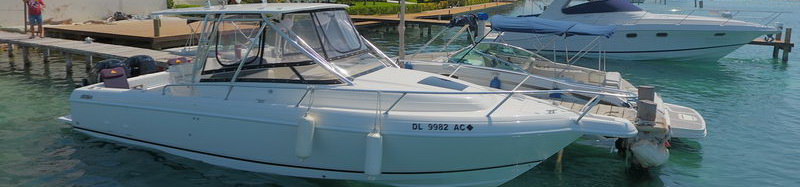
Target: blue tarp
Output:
[(545, 26)]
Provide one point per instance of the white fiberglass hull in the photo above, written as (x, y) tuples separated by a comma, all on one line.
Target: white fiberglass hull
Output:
[(256, 132), (676, 46), (268, 147)]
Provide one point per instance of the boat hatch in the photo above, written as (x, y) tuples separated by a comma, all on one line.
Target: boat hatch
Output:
[(443, 83)]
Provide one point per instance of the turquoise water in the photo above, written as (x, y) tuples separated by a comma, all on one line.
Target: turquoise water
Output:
[(749, 101)]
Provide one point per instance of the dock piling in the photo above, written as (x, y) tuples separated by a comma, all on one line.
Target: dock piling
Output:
[(781, 41), (26, 57), (46, 55), (10, 50), (787, 48), (68, 59), (157, 27), (89, 62)]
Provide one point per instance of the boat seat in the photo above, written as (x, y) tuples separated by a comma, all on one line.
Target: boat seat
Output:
[(613, 79)]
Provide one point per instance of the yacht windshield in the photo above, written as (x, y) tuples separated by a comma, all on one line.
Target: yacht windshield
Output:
[(273, 58), (600, 6)]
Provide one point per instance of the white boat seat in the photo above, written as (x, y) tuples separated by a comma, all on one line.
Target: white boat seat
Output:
[(613, 79)]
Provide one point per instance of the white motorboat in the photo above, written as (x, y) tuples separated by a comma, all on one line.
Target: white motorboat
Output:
[(642, 35), (293, 89), (508, 67)]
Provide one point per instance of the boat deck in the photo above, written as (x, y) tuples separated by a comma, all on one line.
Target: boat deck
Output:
[(615, 111)]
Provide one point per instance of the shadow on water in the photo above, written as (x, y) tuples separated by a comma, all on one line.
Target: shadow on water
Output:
[(585, 165)]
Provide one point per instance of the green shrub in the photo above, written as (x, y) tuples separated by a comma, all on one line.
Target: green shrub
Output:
[(170, 3), (360, 8), (186, 6), (394, 8)]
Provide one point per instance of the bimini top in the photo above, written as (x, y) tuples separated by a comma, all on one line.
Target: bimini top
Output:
[(602, 6), (253, 8), (545, 26)]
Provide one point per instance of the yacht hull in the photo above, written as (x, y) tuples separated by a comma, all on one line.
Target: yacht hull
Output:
[(200, 130), (647, 45)]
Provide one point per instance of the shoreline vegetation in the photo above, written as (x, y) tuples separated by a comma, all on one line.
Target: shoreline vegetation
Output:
[(375, 7)]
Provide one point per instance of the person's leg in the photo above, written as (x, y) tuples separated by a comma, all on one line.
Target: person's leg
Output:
[(38, 21), (31, 22), (41, 30)]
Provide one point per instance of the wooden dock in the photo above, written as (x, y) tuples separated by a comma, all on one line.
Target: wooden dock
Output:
[(782, 42), (72, 47), (151, 34)]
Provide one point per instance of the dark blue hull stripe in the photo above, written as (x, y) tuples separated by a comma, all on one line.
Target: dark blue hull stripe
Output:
[(300, 167), (656, 51)]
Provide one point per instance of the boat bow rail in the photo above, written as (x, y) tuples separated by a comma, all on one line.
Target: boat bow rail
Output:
[(309, 90), (527, 76), (766, 18)]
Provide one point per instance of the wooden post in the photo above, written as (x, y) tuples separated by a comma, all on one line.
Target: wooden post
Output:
[(46, 55), (647, 93), (429, 30), (26, 57), (775, 52), (88, 64), (156, 27), (25, 22), (775, 48), (787, 45), (10, 50), (69, 63)]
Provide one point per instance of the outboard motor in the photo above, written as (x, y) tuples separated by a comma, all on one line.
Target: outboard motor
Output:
[(115, 78), (141, 65), (467, 19), (106, 64)]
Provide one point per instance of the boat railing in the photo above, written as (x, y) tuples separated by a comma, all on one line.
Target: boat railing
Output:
[(527, 76), (309, 92), (767, 18)]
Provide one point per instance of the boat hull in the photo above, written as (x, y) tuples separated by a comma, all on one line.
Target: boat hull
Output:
[(677, 45), (196, 128)]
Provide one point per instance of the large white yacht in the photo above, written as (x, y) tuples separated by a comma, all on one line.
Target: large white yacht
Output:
[(293, 89), (642, 35)]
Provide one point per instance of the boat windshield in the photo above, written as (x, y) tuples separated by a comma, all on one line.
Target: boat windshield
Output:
[(497, 55), (330, 33), (600, 6)]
